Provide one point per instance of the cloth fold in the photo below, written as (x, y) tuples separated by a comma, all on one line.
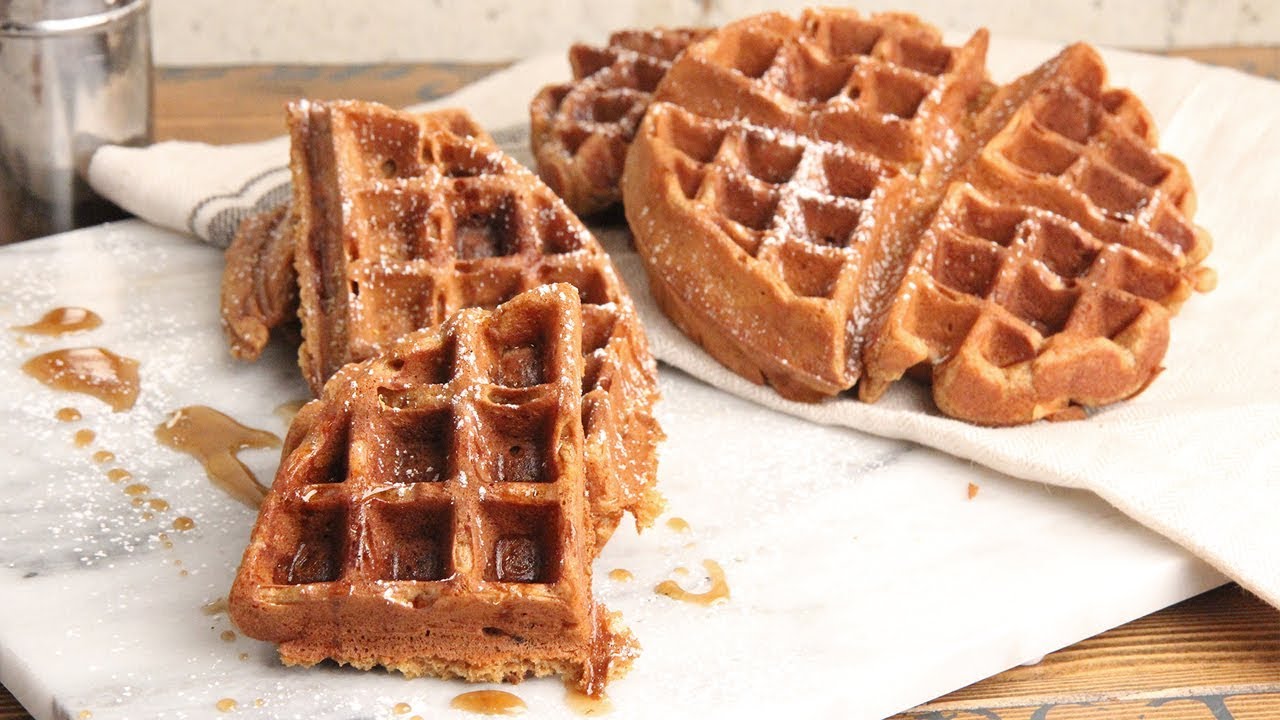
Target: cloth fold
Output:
[(1196, 457)]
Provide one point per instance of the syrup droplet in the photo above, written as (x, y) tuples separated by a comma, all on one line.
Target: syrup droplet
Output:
[(104, 456), (244, 656), (401, 708), (118, 474), (85, 714), (228, 636), (67, 414), (621, 575), (584, 704), (489, 702), (101, 373), (287, 411), (63, 320), (183, 523), (83, 437), (217, 607), (226, 705), (678, 524), (973, 491), (158, 504), (214, 439), (717, 593), (259, 702), (136, 489), (681, 571)]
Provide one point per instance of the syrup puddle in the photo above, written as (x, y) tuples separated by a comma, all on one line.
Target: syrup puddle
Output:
[(678, 524), (83, 438), (402, 708), (489, 702), (214, 439), (100, 373), (184, 523), (63, 320), (287, 411), (103, 456), (226, 705), (67, 414), (716, 594), (584, 704), (621, 575)]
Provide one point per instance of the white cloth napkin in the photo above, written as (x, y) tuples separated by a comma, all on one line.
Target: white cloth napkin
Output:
[(1196, 457)]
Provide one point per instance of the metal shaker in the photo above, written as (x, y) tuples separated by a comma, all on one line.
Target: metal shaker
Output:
[(74, 75)]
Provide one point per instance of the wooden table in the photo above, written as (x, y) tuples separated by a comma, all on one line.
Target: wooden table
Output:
[(1213, 657)]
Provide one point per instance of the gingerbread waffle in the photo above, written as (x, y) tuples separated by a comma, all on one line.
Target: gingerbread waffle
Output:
[(580, 130), (1047, 278), (792, 179), (404, 219), (432, 511), (259, 285), (766, 184)]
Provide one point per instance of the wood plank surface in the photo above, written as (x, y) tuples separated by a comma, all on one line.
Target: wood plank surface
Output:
[(1213, 657)]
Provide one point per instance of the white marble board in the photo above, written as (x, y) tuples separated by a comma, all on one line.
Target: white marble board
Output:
[(863, 578)]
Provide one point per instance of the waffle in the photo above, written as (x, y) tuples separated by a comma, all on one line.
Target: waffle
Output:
[(259, 285), (260, 281), (580, 130), (432, 513), (799, 190)]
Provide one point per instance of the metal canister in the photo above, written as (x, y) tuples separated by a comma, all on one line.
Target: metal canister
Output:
[(74, 74)]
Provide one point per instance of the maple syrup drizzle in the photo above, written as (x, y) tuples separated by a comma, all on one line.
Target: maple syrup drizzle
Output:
[(489, 702), (678, 524), (83, 437), (92, 371), (183, 523), (214, 439), (67, 414), (717, 593), (287, 411), (583, 704), (62, 320), (226, 705), (104, 456), (621, 575)]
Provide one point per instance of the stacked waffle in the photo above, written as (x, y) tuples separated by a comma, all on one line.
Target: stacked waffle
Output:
[(485, 411)]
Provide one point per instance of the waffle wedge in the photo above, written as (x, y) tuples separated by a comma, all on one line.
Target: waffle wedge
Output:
[(580, 130), (259, 285), (436, 508)]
